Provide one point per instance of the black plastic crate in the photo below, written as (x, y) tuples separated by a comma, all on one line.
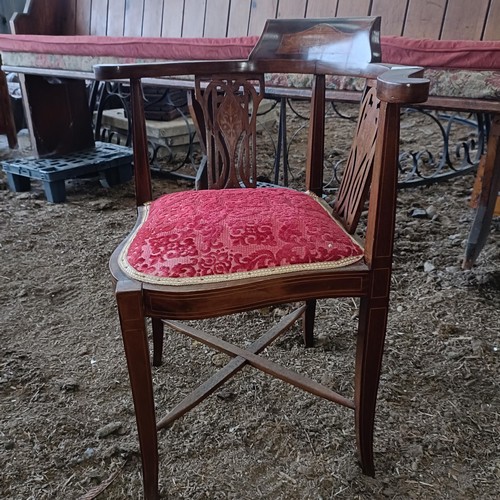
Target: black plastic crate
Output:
[(113, 164)]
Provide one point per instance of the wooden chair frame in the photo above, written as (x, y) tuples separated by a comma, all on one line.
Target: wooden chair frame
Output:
[(372, 169)]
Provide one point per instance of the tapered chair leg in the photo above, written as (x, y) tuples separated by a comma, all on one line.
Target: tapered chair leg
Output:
[(158, 332), (369, 351), (135, 341), (308, 322)]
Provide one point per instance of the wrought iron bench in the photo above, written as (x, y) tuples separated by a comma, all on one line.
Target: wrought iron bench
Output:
[(57, 42)]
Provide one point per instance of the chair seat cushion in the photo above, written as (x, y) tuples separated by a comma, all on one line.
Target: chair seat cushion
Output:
[(217, 235)]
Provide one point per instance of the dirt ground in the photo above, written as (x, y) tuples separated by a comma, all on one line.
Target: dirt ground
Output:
[(66, 416)]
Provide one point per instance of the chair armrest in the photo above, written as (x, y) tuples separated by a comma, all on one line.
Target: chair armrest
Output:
[(403, 85)]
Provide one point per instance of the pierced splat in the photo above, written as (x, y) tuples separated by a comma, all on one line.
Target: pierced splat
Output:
[(230, 115), (355, 182)]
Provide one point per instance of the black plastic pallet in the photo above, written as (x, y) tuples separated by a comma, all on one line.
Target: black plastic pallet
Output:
[(113, 164)]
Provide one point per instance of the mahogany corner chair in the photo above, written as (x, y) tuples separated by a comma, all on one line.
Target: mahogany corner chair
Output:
[(206, 253)]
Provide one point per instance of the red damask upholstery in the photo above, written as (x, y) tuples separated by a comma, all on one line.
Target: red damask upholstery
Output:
[(217, 235)]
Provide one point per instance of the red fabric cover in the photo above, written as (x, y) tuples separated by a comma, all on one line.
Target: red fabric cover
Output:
[(219, 232), (460, 54), (141, 48)]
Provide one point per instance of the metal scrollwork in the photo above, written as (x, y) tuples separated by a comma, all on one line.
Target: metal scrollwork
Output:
[(162, 152), (457, 144), (435, 145)]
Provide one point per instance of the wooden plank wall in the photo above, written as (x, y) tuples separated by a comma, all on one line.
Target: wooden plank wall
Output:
[(438, 19)]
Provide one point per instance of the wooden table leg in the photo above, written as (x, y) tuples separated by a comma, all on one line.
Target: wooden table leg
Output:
[(57, 114), (7, 124), (490, 185)]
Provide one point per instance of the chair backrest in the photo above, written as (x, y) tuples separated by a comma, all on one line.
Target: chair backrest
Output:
[(228, 105), (228, 93)]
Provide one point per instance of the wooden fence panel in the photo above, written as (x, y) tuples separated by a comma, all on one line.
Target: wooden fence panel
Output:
[(239, 18), (194, 18), (435, 19), (348, 8), (424, 19), (465, 20), (392, 13), (173, 12), (153, 13), (134, 10), (321, 8), (99, 18), (290, 9), (82, 13), (216, 18), (116, 18), (492, 28), (260, 12)]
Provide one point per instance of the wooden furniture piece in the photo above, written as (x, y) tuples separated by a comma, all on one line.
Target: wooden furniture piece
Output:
[(486, 201), (7, 125), (7, 122), (200, 254)]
